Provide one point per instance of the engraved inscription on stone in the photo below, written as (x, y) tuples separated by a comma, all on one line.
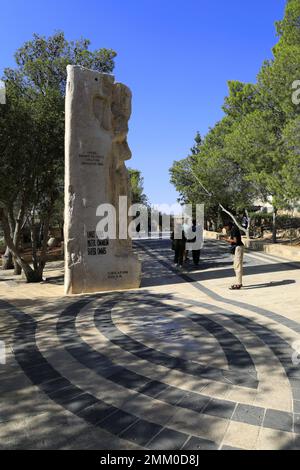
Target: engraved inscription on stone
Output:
[(95, 246), (91, 159), (116, 274), (96, 148)]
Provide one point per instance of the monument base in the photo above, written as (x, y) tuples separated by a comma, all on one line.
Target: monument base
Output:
[(121, 275)]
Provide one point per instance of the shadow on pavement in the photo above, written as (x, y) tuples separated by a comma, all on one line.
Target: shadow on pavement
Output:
[(164, 272), (270, 284)]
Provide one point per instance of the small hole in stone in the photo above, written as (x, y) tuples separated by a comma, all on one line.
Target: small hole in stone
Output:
[(96, 79)]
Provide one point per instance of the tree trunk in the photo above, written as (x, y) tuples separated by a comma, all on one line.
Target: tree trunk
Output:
[(32, 276), (36, 274), (248, 232), (7, 262), (28, 271), (43, 254), (16, 237), (34, 245), (7, 258), (248, 225), (274, 227), (242, 229), (17, 267)]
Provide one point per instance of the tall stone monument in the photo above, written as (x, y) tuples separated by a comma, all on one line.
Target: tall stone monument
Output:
[(97, 114)]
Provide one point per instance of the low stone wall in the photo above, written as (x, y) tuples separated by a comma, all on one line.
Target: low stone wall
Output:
[(291, 253), (288, 252), (211, 235), (255, 245)]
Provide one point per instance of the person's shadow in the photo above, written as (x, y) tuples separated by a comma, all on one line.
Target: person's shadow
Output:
[(271, 284)]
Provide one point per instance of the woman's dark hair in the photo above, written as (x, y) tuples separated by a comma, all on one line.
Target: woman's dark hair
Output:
[(228, 223)]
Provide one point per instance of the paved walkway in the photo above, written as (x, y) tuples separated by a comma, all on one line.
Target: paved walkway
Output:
[(182, 363)]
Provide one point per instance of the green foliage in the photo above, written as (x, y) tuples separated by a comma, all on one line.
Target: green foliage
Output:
[(32, 129), (253, 152), (16, 142), (242, 99), (284, 221), (137, 187), (289, 28), (196, 147), (255, 146), (43, 61)]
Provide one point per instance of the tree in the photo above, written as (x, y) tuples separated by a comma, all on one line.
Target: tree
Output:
[(241, 100), (263, 141), (32, 152), (253, 152), (255, 146), (16, 143), (43, 61), (198, 142), (291, 167), (211, 178), (137, 187)]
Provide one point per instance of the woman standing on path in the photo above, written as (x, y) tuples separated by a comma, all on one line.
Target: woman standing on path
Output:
[(237, 249)]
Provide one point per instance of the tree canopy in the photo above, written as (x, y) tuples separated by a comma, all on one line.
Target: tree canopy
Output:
[(252, 154), (137, 187), (32, 138)]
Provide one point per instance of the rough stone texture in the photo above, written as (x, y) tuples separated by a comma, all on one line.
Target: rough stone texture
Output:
[(97, 114)]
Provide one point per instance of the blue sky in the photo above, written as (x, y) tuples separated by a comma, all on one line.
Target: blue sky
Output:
[(175, 55)]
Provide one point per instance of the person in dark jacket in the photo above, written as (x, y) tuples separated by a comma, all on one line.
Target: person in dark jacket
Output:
[(196, 253), (178, 245)]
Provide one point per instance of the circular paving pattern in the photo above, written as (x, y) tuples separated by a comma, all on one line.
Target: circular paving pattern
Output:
[(166, 371), (238, 371)]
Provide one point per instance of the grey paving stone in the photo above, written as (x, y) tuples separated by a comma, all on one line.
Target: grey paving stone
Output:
[(152, 355), (280, 420), (297, 423), (296, 445), (65, 394), (230, 448), (34, 365), (297, 406), (106, 372), (97, 412), (118, 422), (196, 443), (244, 380), (293, 373), (295, 384), (235, 352), (168, 439), (194, 403), (172, 395), (249, 414), (153, 388), (54, 385), (81, 402), (220, 408), (141, 432), (38, 375), (129, 379)]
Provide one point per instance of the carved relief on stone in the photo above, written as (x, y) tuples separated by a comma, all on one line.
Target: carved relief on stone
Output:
[(121, 112), (97, 115)]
